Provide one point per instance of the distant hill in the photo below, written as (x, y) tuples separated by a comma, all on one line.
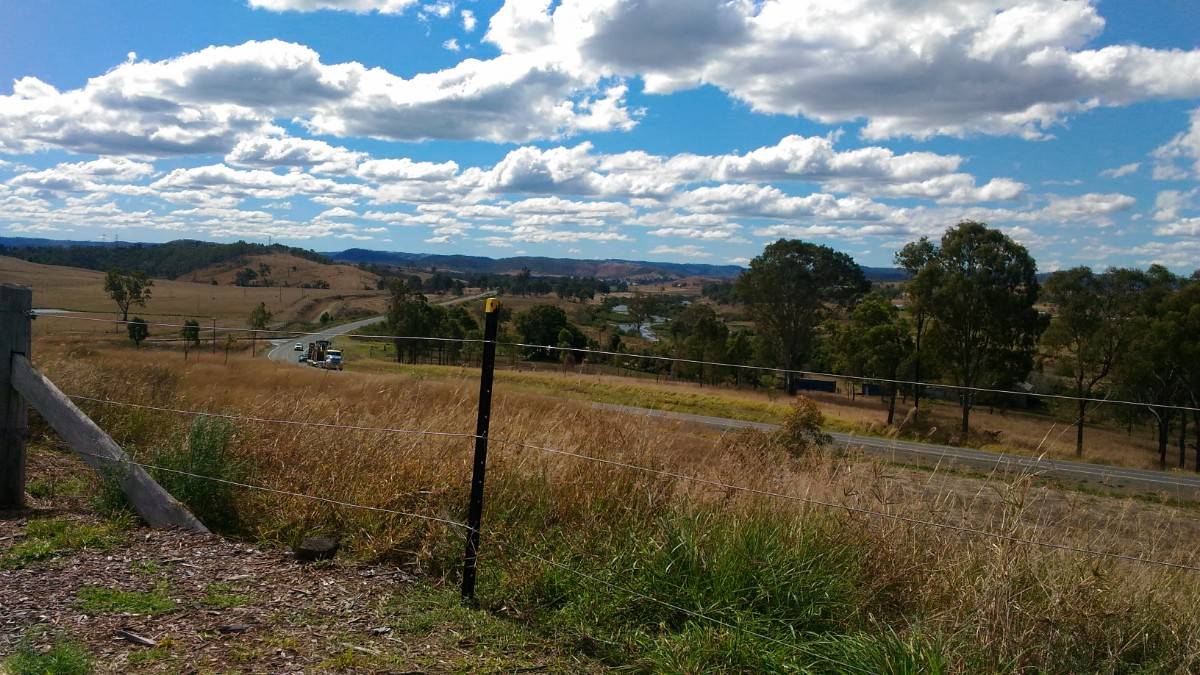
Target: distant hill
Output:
[(612, 268), (604, 269), (285, 269), (166, 261), (186, 257)]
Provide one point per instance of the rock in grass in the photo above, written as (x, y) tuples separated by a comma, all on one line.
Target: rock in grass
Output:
[(316, 548)]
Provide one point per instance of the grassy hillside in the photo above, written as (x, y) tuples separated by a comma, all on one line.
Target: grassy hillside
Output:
[(286, 269), (82, 289), (573, 548), (167, 261)]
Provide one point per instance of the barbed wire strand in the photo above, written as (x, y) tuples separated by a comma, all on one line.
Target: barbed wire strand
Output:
[(680, 476), (855, 509), (445, 521), (279, 334), (249, 418), (286, 493)]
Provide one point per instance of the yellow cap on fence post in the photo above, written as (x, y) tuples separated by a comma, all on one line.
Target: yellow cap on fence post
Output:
[(490, 305)]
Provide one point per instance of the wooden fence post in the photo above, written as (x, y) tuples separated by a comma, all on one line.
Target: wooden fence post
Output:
[(16, 302)]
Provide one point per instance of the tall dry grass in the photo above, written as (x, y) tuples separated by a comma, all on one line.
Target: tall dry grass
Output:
[(807, 587)]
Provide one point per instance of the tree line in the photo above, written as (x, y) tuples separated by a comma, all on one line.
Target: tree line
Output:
[(972, 315), (166, 261)]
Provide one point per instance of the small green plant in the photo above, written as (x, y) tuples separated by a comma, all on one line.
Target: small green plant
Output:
[(206, 454), (801, 433), (52, 486), (50, 538), (101, 600), (222, 596), (63, 658)]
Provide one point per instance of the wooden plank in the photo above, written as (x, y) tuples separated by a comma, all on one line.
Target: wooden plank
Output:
[(15, 304), (154, 504)]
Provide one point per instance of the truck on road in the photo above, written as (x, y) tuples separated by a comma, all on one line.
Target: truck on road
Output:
[(321, 355)]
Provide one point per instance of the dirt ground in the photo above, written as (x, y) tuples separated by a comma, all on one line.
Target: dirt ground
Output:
[(133, 599)]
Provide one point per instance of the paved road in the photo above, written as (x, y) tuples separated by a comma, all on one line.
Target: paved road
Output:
[(911, 452), (284, 350)]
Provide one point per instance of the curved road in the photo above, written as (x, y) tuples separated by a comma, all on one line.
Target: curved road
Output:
[(1180, 486), (283, 349)]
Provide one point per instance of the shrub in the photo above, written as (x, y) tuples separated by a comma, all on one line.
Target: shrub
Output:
[(801, 433), (207, 453)]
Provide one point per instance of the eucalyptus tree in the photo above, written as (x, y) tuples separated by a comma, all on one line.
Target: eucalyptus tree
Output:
[(792, 287), (982, 288), (1094, 321)]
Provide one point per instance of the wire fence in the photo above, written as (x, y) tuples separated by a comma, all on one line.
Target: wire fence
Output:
[(662, 473), (281, 334)]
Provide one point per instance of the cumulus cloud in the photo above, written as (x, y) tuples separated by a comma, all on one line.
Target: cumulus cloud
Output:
[(83, 176), (1179, 158), (356, 6), (468, 20), (207, 101), (285, 151), (1121, 171), (908, 68), (681, 251)]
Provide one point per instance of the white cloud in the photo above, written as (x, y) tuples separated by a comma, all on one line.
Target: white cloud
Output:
[(451, 45), (1179, 158), (83, 176), (356, 6), (206, 101), (908, 68), (269, 152), (683, 251), (468, 20), (1123, 170)]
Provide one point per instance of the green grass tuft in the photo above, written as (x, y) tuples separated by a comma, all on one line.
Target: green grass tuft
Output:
[(222, 596), (63, 658), (50, 538), (101, 600)]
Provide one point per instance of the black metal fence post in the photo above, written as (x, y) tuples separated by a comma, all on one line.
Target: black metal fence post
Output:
[(475, 513)]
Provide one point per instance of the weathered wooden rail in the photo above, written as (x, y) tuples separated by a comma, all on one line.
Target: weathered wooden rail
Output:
[(21, 386)]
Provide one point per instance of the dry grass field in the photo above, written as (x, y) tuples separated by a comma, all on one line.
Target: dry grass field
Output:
[(796, 585), (1003, 431), (171, 301), (287, 270)]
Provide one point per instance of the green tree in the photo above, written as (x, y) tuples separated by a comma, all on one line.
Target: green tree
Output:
[(698, 334), (985, 325), (1154, 370), (411, 316), (127, 289), (191, 332), (1183, 310), (642, 308), (875, 342), (1094, 317), (540, 325), (138, 330), (914, 259), (792, 287), (260, 316)]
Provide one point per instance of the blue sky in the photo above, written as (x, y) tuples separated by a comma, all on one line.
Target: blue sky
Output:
[(694, 130)]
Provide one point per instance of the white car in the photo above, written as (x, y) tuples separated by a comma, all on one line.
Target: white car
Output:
[(298, 347)]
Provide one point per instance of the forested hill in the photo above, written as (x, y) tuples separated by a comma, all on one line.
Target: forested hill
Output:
[(602, 269), (167, 261)]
